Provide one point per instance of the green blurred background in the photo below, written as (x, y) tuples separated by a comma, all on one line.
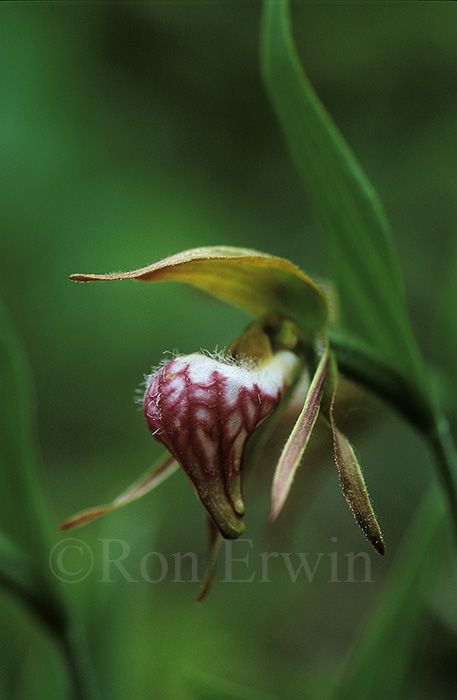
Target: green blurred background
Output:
[(131, 132)]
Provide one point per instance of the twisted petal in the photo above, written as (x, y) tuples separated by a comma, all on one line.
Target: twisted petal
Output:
[(161, 471), (214, 543), (299, 437), (354, 489), (257, 282)]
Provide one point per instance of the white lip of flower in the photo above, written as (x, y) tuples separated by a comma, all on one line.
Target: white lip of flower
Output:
[(204, 409)]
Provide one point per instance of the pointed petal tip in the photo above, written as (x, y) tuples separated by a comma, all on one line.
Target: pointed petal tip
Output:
[(273, 515), (277, 503), (91, 277), (354, 489), (378, 544), (77, 277)]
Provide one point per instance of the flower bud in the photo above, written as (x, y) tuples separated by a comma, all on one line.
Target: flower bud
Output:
[(204, 409)]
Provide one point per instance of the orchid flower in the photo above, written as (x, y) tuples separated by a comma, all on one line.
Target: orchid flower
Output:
[(204, 408)]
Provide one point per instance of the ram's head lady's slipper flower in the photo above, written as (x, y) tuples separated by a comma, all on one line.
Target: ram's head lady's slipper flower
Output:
[(204, 408)]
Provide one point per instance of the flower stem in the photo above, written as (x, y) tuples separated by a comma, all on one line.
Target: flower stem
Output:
[(362, 365)]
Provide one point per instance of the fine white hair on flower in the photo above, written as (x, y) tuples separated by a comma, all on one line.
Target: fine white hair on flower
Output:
[(226, 358), (272, 377), (220, 356), (140, 391)]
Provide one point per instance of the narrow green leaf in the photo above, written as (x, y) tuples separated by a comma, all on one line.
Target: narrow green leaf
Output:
[(22, 509), (25, 531), (15, 571), (206, 687), (381, 661), (24, 525), (20, 577), (365, 267)]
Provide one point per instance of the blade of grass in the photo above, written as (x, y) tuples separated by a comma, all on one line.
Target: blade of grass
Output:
[(22, 508), (206, 687), (24, 536), (380, 664), (24, 528), (365, 268)]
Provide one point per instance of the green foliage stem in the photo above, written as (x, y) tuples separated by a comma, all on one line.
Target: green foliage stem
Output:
[(365, 267), (383, 355), (380, 663), (24, 526)]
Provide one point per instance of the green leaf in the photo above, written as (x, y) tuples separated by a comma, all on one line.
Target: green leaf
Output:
[(24, 525), (206, 687), (381, 661), (255, 281), (365, 268), (22, 509)]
